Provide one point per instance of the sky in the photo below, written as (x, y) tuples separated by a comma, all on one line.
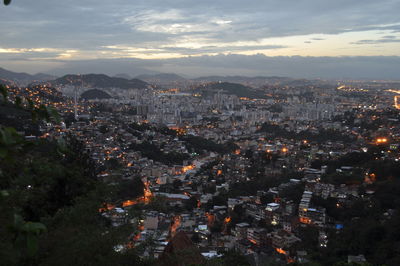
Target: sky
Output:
[(299, 38)]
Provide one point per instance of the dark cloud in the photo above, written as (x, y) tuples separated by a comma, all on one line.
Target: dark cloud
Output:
[(104, 29), (389, 37), (383, 40), (216, 49), (91, 24)]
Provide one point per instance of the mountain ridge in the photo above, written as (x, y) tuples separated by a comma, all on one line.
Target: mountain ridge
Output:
[(100, 81), (95, 94), (237, 89), (22, 77)]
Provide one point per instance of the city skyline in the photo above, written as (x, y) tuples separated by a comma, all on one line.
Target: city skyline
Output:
[(199, 133)]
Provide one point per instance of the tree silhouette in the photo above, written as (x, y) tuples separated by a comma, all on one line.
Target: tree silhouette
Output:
[(7, 2)]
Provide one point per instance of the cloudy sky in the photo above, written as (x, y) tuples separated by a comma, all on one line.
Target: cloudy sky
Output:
[(310, 38)]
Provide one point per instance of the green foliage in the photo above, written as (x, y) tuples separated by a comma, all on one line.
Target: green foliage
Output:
[(261, 181), (191, 203), (53, 114), (50, 185), (10, 142), (366, 231), (18, 101), (277, 131), (309, 237), (199, 144), (293, 192), (153, 152), (158, 203), (354, 159), (78, 235), (130, 189), (343, 178), (112, 164), (343, 263), (95, 94), (265, 199), (103, 129), (46, 113), (26, 235), (387, 193), (195, 238), (3, 89), (18, 118)]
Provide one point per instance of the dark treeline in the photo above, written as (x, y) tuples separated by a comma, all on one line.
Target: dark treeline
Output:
[(323, 135), (49, 201)]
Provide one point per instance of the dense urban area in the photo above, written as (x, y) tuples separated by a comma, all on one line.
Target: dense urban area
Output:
[(163, 170)]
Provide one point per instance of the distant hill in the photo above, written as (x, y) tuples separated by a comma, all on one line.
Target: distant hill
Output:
[(165, 80), (235, 89), (43, 77), (242, 78), (95, 94), (23, 78), (6, 74), (166, 77), (247, 81), (123, 76), (100, 81), (261, 81)]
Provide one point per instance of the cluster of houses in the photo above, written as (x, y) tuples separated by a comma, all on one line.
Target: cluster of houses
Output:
[(198, 191)]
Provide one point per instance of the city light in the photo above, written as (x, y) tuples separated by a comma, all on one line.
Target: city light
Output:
[(281, 251), (237, 132), (381, 140)]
